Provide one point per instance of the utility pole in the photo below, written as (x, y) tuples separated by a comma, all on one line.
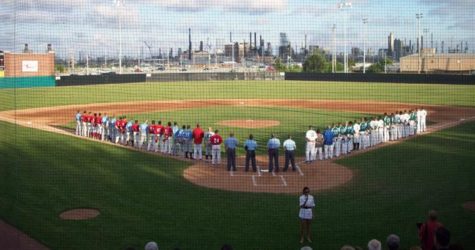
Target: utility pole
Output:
[(365, 21), (419, 17), (334, 49), (120, 5), (343, 6)]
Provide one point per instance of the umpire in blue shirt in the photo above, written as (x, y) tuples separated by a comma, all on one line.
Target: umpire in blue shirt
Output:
[(273, 150), (230, 144), (250, 146), (289, 146)]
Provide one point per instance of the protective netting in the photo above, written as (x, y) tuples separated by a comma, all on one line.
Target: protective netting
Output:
[(197, 124)]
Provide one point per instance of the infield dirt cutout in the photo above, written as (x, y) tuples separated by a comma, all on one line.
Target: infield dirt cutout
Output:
[(322, 175), (79, 214)]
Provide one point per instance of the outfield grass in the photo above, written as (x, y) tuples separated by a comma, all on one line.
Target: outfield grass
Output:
[(293, 121), (144, 197), (459, 95)]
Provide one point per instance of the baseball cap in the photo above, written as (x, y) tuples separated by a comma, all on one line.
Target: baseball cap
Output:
[(393, 241), (152, 245)]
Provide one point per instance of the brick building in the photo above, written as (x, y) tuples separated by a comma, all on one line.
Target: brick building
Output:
[(29, 64)]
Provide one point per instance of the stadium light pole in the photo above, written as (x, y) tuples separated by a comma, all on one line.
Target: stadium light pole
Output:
[(120, 5), (342, 6), (334, 49), (365, 21), (419, 17)]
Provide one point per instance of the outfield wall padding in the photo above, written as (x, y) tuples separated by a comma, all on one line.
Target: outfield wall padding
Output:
[(212, 76), (77, 80), (383, 78), (27, 82)]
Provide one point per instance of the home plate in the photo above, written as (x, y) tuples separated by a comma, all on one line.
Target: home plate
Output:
[(29, 123)]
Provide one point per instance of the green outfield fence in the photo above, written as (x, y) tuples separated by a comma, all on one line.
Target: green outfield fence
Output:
[(27, 82)]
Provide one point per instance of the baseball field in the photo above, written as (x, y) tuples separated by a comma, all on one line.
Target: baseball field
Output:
[(46, 170)]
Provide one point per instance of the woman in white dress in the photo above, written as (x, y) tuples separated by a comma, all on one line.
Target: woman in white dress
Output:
[(307, 203)]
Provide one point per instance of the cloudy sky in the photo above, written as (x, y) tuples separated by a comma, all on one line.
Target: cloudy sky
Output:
[(92, 26)]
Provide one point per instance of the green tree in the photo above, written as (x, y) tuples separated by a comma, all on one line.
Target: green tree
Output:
[(282, 67), (379, 66), (59, 68), (317, 63)]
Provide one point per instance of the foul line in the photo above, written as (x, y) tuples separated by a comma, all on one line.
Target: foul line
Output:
[(298, 169), (254, 180), (283, 180)]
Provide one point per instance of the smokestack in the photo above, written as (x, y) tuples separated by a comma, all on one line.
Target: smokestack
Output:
[(250, 40), (230, 37), (189, 47), (26, 50), (201, 45), (305, 42), (255, 40), (49, 48)]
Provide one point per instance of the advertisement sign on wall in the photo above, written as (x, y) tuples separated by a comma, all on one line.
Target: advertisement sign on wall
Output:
[(29, 66)]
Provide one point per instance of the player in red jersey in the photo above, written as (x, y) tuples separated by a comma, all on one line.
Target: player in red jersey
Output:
[(123, 132), (159, 128), (117, 129), (198, 136), (216, 141), (157, 131), (94, 125), (89, 125), (135, 131), (99, 125), (166, 139), (151, 136)]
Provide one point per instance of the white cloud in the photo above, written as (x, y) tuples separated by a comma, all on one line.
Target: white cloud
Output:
[(460, 12), (245, 6), (110, 13)]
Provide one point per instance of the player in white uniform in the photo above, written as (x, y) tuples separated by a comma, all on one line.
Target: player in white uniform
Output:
[(356, 135), (406, 118), (208, 146), (319, 145), (310, 137), (412, 123), (386, 127), (423, 120), (78, 123), (374, 132), (380, 130), (336, 140), (397, 118), (418, 120)]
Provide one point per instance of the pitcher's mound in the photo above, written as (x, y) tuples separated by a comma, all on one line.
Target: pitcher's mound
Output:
[(79, 214), (249, 123), (469, 205)]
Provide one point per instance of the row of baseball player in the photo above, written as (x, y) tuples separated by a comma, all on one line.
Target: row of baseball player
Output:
[(173, 140), (343, 138)]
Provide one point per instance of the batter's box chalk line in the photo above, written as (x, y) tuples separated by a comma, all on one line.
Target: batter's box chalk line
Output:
[(281, 177)]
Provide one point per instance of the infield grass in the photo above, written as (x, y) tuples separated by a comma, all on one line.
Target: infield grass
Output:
[(144, 197), (458, 95)]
